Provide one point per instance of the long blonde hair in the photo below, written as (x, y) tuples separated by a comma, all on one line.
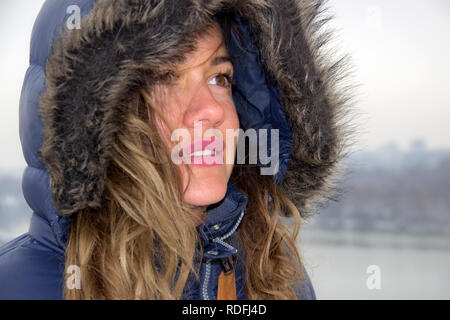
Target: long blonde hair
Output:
[(141, 244)]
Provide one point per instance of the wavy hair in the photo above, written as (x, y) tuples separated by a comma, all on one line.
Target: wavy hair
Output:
[(142, 243)]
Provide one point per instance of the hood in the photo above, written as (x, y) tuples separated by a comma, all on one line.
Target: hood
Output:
[(76, 87)]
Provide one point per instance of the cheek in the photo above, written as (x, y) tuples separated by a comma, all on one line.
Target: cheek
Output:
[(168, 103), (233, 118), (232, 126), (161, 127), (165, 118), (236, 123)]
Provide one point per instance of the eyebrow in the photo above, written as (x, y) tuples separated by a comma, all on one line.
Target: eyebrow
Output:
[(219, 60)]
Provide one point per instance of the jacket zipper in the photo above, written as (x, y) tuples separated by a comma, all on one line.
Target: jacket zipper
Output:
[(206, 280), (234, 228), (208, 262)]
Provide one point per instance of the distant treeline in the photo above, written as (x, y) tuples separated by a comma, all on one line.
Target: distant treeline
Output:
[(386, 189), (390, 190)]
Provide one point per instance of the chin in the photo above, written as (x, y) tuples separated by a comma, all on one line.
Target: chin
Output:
[(204, 193)]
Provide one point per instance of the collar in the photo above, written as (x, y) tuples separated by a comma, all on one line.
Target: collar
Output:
[(222, 220)]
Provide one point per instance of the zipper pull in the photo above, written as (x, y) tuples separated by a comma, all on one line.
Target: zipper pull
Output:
[(226, 284), (227, 264)]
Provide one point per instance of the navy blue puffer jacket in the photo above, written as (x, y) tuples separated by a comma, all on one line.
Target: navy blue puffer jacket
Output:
[(282, 82)]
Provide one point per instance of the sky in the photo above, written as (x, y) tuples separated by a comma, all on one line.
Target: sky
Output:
[(400, 61)]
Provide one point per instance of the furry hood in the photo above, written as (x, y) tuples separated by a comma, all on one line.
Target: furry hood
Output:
[(84, 76)]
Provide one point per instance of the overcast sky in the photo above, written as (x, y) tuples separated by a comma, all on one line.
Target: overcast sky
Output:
[(400, 52)]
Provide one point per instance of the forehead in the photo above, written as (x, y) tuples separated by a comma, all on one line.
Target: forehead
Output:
[(208, 46)]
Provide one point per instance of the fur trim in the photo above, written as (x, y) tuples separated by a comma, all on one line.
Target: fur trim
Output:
[(91, 72)]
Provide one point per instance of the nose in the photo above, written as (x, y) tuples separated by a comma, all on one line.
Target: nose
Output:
[(204, 107)]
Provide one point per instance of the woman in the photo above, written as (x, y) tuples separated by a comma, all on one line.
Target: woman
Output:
[(123, 208)]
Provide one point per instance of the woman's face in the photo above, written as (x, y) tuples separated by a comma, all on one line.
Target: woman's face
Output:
[(200, 98)]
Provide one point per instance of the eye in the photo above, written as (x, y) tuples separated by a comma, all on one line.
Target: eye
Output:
[(222, 80)]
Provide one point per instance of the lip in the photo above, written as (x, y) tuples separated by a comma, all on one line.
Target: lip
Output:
[(205, 160)]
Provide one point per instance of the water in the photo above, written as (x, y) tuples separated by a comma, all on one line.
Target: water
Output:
[(411, 267)]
